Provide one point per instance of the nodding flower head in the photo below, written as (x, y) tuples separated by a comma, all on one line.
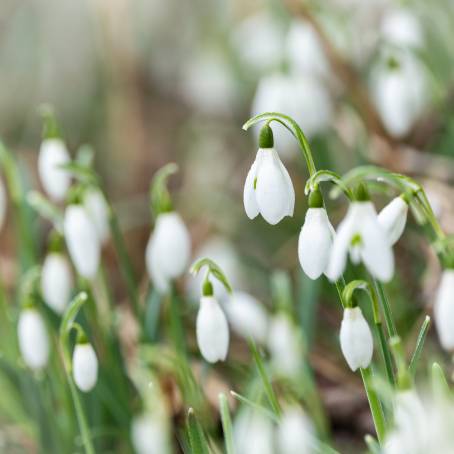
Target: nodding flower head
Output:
[(444, 310), (85, 366), (393, 218)]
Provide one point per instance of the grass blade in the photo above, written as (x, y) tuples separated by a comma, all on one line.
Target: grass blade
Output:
[(226, 424), (419, 345), (197, 439)]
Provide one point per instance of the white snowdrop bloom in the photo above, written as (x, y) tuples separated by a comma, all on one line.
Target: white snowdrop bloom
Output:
[(295, 433), (393, 218), (96, 206), (149, 434), (33, 339), (82, 240), (402, 28), (356, 339), (361, 234), (56, 181), (285, 346), (315, 241), (168, 250), (400, 93), (304, 98), (253, 433), (444, 310), (3, 203), (305, 52), (247, 316), (56, 282), (268, 189), (212, 330), (85, 366)]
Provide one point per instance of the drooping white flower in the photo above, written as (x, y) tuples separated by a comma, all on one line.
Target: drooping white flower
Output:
[(401, 27), (295, 433), (33, 339), (247, 316), (356, 339), (96, 206), (168, 250), (444, 310), (268, 189), (85, 366), (82, 240), (149, 434), (253, 433), (393, 218), (3, 203), (56, 181), (56, 282), (361, 234), (212, 330)]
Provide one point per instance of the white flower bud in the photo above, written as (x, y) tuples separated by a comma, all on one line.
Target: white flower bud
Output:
[(356, 339), (56, 181), (82, 240), (3, 203), (444, 310), (295, 433), (33, 339), (97, 209), (149, 435), (393, 218), (212, 330), (168, 250), (85, 366), (401, 28), (253, 433), (56, 282)]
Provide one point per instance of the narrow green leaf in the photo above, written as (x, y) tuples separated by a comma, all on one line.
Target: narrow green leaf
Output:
[(254, 405), (419, 345), (197, 439), (226, 424)]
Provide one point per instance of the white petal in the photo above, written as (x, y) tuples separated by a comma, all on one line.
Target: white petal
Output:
[(82, 240), (85, 367), (149, 435), (3, 204), (295, 433), (56, 181), (444, 310), (290, 189), (315, 242), (212, 330), (249, 197), (33, 339), (274, 196), (160, 281), (96, 206), (253, 433), (356, 339), (56, 282), (393, 218)]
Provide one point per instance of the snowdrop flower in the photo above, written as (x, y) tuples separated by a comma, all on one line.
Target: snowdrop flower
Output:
[(252, 433), (212, 330), (393, 218), (98, 210), (295, 433), (316, 238), (361, 234), (268, 189), (56, 281), (247, 316), (56, 181), (168, 250), (85, 366), (356, 339), (3, 204), (402, 28), (33, 339), (82, 240), (444, 310), (149, 434)]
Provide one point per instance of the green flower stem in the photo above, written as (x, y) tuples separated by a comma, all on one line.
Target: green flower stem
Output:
[(374, 403), (176, 324), (391, 327)]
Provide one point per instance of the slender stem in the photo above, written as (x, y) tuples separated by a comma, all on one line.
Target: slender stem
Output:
[(419, 346), (226, 424), (391, 327)]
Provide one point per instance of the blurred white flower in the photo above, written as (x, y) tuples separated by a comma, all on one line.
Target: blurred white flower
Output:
[(295, 433), (56, 281), (393, 218), (168, 250), (33, 339), (149, 434), (268, 189), (97, 209), (315, 242), (402, 28), (356, 339), (82, 240), (3, 203), (444, 310), (85, 366), (400, 92), (247, 316), (361, 234), (212, 330), (253, 433), (56, 181)]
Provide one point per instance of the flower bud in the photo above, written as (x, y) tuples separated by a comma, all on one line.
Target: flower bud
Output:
[(33, 339), (149, 435), (97, 209), (295, 433), (444, 310), (85, 366), (82, 240), (356, 339), (393, 217), (55, 180), (212, 330)]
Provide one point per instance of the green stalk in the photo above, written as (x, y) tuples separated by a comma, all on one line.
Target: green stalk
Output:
[(226, 424), (419, 346), (391, 327)]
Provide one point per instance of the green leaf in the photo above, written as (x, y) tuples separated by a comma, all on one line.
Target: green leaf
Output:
[(197, 439), (226, 424), (419, 345)]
